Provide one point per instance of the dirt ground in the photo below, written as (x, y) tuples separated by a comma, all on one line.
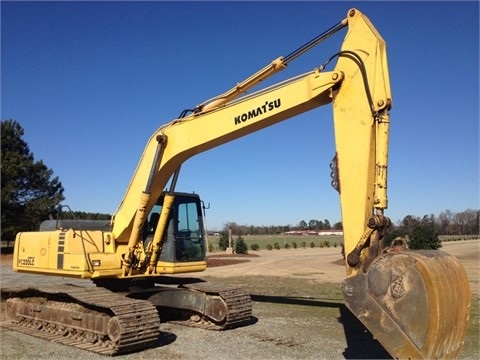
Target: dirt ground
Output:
[(325, 264), (297, 306)]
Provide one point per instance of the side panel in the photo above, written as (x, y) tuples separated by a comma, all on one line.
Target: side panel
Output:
[(62, 253), (32, 252)]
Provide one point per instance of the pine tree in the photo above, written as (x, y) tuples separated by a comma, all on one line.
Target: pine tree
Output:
[(423, 236), (240, 246), (29, 190), (223, 241)]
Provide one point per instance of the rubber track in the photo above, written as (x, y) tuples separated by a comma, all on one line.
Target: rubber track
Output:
[(138, 319), (239, 306)]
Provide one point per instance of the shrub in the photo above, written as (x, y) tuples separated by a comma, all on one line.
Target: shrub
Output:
[(223, 241), (276, 246), (303, 244), (254, 247), (269, 247), (321, 245), (287, 246), (210, 247), (424, 237), (240, 246), (326, 243), (294, 244), (312, 244)]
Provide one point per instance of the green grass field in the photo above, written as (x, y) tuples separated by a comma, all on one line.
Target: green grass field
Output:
[(284, 241)]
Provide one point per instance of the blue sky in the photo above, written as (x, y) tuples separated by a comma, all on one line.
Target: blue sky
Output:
[(91, 81)]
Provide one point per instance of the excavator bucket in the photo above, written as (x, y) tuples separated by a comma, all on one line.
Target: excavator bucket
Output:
[(415, 303)]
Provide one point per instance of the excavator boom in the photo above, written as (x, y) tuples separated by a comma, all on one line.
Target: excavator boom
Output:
[(416, 303)]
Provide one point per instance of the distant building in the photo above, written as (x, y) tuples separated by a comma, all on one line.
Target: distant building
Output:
[(294, 233), (314, 232), (331, 232)]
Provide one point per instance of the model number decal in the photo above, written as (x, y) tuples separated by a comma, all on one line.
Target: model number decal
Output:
[(269, 106), (29, 261)]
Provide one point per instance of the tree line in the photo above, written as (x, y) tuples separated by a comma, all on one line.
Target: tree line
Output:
[(465, 222)]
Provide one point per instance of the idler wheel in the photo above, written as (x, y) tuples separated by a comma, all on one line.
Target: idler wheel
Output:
[(114, 329)]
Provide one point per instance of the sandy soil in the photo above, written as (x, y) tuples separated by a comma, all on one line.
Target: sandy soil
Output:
[(326, 265), (322, 264)]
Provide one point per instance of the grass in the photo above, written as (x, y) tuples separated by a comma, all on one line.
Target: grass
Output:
[(457, 237), (287, 241), (282, 240), (302, 298), (472, 340)]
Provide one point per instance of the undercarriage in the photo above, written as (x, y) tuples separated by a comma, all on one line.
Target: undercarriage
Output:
[(109, 322)]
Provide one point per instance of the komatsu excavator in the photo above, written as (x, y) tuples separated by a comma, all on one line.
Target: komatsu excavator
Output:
[(416, 303)]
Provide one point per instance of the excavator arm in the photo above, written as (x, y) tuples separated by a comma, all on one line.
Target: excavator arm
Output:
[(358, 87)]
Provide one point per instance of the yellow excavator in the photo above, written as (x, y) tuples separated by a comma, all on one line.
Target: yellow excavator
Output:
[(416, 303)]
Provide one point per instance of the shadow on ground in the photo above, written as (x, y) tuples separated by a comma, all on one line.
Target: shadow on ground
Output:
[(6, 250), (360, 342)]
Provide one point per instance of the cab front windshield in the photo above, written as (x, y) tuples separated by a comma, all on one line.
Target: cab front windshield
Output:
[(184, 237)]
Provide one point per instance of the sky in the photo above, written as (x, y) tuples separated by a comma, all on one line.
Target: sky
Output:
[(90, 82)]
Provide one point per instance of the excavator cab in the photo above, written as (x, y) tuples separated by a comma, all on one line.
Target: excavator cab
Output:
[(184, 240)]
